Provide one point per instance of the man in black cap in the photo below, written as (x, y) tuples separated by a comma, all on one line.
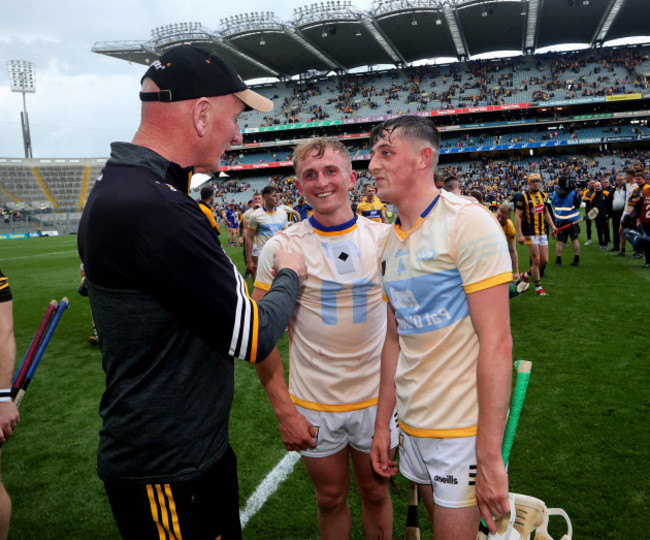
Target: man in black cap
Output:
[(171, 309)]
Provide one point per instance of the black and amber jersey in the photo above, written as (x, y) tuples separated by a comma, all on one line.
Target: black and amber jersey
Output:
[(208, 213), (643, 206), (588, 198), (636, 197), (5, 291), (532, 206)]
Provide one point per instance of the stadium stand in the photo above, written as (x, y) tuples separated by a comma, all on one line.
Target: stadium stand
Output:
[(584, 111)]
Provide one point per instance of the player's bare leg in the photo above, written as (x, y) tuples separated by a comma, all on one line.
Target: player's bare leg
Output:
[(533, 250), (331, 478), (455, 523), (5, 512), (377, 508), (425, 492)]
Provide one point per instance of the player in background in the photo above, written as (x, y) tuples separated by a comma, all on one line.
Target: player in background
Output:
[(336, 336), (9, 416), (253, 204), (304, 209), (448, 350), (231, 217), (588, 197), (264, 222), (531, 218), (642, 212), (206, 204), (503, 215), (370, 206)]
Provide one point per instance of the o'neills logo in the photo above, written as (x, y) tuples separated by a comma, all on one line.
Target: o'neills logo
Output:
[(449, 479)]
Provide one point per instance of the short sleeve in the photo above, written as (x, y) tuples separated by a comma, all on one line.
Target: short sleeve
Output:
[(480, 249), (264, 277)]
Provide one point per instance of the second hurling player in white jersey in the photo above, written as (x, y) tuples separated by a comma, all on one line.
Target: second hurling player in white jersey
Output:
[(336, 337)]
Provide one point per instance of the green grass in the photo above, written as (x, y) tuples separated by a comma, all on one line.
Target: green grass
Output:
[(581, 443)]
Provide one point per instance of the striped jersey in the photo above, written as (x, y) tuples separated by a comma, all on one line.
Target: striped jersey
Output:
[(532, 205), (456, 247), (338, 328)]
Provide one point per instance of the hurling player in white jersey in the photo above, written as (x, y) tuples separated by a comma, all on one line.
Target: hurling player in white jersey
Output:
[(263, 223), (336, 337), (448, 350)]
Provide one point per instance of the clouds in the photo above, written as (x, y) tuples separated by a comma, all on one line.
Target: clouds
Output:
[(84, 100)]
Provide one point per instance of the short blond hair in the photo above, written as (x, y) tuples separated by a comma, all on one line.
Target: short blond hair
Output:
[(506, 209), (319, 145)]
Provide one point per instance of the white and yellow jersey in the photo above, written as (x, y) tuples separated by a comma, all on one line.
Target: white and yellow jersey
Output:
[(456, 247), (338, 328), (268, 223)]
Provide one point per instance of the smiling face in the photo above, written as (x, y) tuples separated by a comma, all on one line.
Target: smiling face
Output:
[(325, 182)]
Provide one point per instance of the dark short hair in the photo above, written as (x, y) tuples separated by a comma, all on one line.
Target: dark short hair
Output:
[(206, 192), (415, 128), (451, 182), (269, 190)]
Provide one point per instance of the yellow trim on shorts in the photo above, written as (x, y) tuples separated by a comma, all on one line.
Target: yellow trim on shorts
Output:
[(167, 529), (438, 433), (506, 277), (264, 286), (334, 408)]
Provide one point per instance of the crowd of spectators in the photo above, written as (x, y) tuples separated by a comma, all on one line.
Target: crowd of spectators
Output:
[(586, 73)]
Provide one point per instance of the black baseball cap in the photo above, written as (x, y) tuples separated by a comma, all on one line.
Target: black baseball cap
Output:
[(189, 72)]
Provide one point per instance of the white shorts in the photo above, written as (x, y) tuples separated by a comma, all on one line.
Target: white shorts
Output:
[(537, 240), (448, 465), (336, 430)]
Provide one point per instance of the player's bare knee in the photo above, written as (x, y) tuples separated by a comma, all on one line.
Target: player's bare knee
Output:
[(331, 501), (375, 492)]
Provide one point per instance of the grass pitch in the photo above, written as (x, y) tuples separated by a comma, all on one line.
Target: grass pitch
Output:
[(581, 442)]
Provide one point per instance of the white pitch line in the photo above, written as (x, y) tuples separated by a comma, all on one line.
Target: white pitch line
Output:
[(39, 255), (268, 486)]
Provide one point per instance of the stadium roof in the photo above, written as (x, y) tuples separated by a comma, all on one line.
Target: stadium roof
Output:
[(336, 36)]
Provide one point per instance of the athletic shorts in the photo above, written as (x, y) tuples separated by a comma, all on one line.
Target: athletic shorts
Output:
[(570, 232), (336, 430), (448, 465), (5, 290), (205, 507), (537, 240)]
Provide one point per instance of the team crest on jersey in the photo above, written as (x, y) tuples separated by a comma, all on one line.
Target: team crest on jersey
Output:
[(403, 299), (426, 255)]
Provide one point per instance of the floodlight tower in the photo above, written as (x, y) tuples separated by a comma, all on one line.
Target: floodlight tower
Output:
[(21, 77)]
